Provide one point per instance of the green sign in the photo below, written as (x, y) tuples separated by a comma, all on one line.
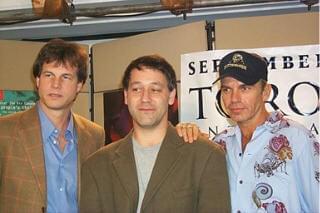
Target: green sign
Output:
[(15, 101)]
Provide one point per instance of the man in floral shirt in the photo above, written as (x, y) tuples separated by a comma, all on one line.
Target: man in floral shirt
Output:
[(273, 162)]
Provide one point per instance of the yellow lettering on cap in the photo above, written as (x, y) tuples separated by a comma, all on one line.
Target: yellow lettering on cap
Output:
[(237, 61)]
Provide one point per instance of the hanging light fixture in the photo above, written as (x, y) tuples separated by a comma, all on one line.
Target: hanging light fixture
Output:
[(54, 9), (178, 7)]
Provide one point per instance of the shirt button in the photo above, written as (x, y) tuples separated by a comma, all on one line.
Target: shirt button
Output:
[(240, 181), (60, 189), (54, 142), (55, 131)]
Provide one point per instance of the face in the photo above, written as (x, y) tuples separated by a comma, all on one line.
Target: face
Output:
[(244, 103), (57, 86), (148, 98)]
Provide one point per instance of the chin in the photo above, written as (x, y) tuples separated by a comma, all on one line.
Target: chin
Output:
[(147, 124), (237, 118), (56, 106)]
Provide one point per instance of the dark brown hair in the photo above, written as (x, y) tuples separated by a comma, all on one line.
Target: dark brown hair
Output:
[(155, 62), (61, 52)]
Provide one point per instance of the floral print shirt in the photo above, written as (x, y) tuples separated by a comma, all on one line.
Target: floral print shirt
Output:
[(278, 171)]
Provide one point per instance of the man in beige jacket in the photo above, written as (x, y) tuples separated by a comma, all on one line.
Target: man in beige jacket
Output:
[(41, 149)]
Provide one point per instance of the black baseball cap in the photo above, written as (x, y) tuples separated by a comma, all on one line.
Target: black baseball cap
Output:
[(246, 67)]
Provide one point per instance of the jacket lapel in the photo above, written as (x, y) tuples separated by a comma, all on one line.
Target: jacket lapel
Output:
[(83, 143), (31, 139), (165, 163), (124, 164), (83, 139)]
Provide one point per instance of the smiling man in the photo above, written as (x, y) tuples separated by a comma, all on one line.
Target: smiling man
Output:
[(41, 149), (152, 169)]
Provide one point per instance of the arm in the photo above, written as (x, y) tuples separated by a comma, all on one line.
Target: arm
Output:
[(307, 173), (214, 185)]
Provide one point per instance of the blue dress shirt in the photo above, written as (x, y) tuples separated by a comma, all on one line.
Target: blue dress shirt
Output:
[(61, 167)]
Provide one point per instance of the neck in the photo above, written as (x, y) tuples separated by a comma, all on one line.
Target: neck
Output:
[(247, 128), (59, 118), (149, 136)]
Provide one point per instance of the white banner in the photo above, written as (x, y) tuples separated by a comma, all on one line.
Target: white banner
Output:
[(293, 73)]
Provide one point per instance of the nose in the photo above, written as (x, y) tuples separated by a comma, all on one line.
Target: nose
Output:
[(145, 96), (235, 96), (56, 82)]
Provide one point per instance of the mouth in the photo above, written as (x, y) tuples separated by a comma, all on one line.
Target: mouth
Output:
[(54, 95), (235, 110), (146, 110)]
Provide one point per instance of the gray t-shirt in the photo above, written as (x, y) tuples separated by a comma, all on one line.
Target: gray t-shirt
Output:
[(145, 158)]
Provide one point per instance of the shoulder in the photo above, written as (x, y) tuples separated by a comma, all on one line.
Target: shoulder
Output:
[(289, 134), (110, 148), (297, 127), (206, 143), (16, 116), (204, 147), (277, 123), (201, 145), (295, 132), (11, 122), (108, 152), (12, 118), (84, 121), (86, 124)]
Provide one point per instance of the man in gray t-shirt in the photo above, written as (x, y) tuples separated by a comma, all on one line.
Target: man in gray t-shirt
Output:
[(152, 169)]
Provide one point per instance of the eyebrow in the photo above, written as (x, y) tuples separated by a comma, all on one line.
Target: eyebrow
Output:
[(157, 83)]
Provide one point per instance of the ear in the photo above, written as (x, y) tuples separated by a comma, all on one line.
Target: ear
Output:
[(79, 86), (172, 96), (37, 82), (125, 94), (266, 92)]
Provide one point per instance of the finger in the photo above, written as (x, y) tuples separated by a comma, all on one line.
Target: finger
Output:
[(196, 132), (179, 129), (184, 133), (191, 132)]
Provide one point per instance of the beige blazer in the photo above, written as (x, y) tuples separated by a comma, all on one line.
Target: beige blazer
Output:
[(186, 178), (22, 167)]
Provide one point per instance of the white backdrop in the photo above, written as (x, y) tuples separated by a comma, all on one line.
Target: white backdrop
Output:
[(293, 72)]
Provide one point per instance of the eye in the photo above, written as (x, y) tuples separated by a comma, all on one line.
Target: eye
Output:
[(245, 87), (136, 89), (155, 90), (47, 74), (67, 77), (225, 90)]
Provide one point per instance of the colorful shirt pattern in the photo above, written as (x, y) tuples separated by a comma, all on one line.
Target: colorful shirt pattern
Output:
[(278, 171)]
